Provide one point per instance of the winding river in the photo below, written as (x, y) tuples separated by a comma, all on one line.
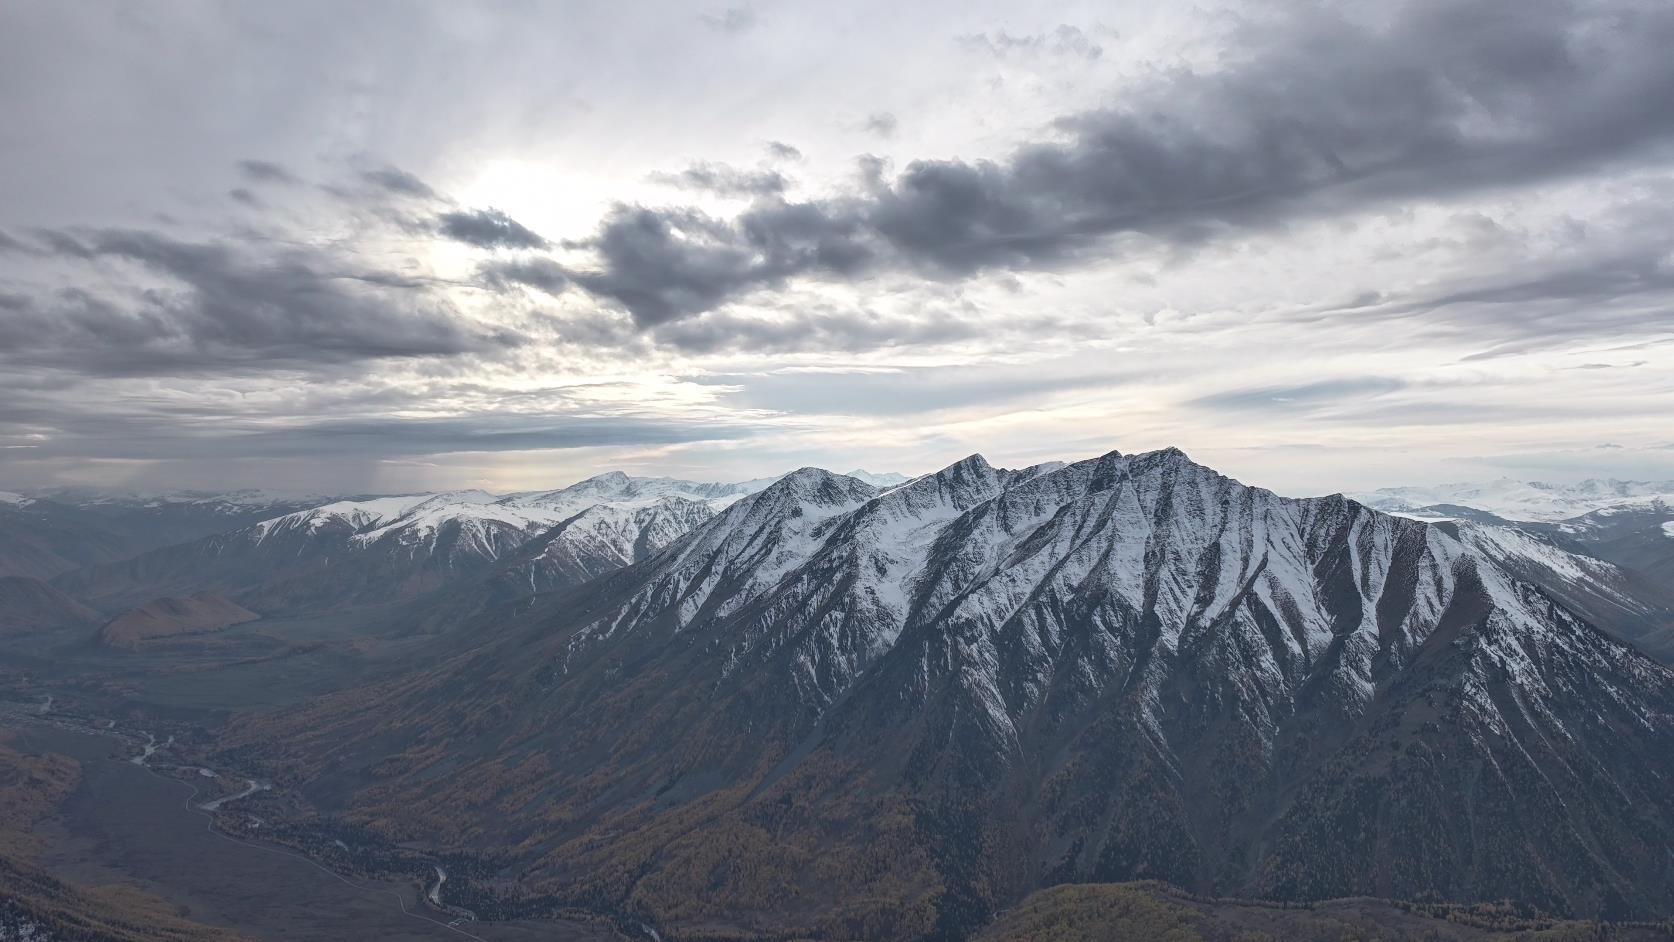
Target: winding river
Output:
[(129, 823)]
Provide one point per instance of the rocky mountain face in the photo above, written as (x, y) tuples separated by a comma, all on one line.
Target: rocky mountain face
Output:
[(839, 711), (1602, 546), (378, 550)]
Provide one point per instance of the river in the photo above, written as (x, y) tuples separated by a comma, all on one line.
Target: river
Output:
[(127, 823)]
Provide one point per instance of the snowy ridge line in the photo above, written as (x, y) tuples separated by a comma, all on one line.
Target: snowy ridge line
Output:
[(834, 571)]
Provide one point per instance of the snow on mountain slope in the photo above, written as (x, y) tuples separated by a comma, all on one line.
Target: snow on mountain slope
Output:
[(376, 549), (608, 536), (1519, 500), (416, 519), (828, 567), (1509, 544)]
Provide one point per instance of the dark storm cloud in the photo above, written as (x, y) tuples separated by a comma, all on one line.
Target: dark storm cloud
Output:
[(1313, 116), (488, 229), (265, 171), (398, 181), (228, 306), (723, 180)]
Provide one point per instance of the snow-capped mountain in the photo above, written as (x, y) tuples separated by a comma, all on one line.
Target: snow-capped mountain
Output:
[(380, 549), (1521, 500), (939, 696)]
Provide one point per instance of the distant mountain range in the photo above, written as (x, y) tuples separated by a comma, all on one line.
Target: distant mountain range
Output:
[(836, 710), (1534, 501), (386, 549), (50, 532)]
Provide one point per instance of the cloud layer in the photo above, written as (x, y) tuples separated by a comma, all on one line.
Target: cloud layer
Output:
[(720, 242)]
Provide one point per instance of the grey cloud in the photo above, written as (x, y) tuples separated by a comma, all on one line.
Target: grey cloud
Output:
[(242, 195), (181, 434), (542, 274), (1366, 402), (62, 243), (723, 180), (662, 265), (481, 432), (1313, 116), (398, 181), (736, 19), (779, 150), (881, 123), (488, 229), (819, 330), (907, 391), (1066, 40), (1303, 396), (9, 244), (1578, 290), (228, 308), (266, 171)]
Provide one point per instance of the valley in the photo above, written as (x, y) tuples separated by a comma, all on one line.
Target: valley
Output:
[(129, 823), (821, 707)]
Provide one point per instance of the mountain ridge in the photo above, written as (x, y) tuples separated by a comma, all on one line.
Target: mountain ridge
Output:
[(1120, 668)]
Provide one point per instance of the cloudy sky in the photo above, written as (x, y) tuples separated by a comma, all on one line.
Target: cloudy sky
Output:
[(394, 246)]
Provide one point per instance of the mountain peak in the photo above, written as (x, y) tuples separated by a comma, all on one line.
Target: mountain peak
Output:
[(609, 479), (821, 486)]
